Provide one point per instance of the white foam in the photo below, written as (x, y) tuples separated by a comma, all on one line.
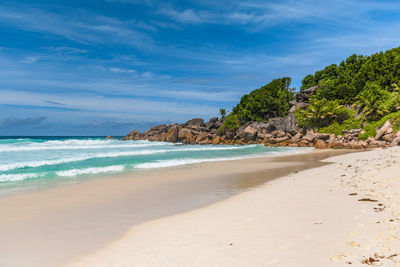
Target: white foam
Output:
[(213, 148), (93, 170), (79, 144), (33, 164), (180, 162), (187, 161), (18, 177)]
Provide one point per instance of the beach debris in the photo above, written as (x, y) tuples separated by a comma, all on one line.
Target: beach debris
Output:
[(369, 261), (392, 256), (368, 200), (230, 244), (375, 260), (380, 208), (352, 194)]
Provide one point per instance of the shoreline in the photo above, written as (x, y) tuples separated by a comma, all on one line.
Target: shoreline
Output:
[(340, 214), (57, 225), (40, 178)]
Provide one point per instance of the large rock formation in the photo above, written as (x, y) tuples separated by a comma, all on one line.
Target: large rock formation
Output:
[(302, 99), (280, 131), (276, 132)]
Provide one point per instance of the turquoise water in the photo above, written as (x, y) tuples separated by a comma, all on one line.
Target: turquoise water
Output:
[(23, 160)]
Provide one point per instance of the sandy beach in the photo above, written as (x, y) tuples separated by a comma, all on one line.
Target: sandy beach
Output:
[(63, 223), (338, 214)]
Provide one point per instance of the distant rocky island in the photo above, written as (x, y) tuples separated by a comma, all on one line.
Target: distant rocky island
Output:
[(352, 105)]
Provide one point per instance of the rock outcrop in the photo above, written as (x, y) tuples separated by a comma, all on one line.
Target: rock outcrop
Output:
[(280, 131), (302, 99), (276, 132)]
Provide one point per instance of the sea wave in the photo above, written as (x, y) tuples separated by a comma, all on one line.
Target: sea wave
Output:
[(18, 177), (187, 161), (78, 144), (33, 164), (93, 170), (180, 162)]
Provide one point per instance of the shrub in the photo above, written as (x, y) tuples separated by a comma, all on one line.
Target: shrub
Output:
[(322, 113), (231, 123), (271, 100), (337, 129), (370, 129), (346, 80)]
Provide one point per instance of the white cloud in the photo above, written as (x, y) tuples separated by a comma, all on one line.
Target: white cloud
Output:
[(111, 105), (120, 70), (261, 14), (30, 60), (76, 25), (188, 15)]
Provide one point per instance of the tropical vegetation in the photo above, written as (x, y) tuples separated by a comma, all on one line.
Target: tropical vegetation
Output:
[(360, 92)]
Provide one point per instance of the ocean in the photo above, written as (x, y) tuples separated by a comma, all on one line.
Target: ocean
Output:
[(28, 161)]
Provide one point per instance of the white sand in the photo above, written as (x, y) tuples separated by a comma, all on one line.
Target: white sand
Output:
[(304, 219)]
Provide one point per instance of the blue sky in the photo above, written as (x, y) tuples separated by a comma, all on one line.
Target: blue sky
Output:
[(100, 67)]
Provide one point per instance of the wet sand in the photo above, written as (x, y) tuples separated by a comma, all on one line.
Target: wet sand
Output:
[(58, 225), (346, 213)]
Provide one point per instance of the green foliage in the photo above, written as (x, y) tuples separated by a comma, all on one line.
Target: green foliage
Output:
[(336, 128), (231, 123), (369, 84), (370, 129), (346, 80), (374, 102), (308, 82), (271, 100), (321, 113), (222, 112)]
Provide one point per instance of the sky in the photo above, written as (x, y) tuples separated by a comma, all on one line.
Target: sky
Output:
[(106, 67)]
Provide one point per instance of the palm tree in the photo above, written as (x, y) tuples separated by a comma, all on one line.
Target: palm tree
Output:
[(222, 111), (372, 103), (395, 96)]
